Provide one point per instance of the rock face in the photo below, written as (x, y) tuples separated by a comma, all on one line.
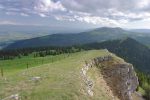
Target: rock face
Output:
[(87, 80), (127, 81), (121, 77)]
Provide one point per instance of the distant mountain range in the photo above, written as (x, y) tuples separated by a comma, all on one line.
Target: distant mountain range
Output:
[(18, 32), (12, 33), (96, 35), (141, 30)]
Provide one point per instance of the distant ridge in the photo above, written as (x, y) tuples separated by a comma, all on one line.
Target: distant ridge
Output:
[(141, 30), (97, 35), (129, 49)]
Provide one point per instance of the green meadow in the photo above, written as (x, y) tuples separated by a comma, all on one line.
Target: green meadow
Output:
[(60, 77), (18, 64)]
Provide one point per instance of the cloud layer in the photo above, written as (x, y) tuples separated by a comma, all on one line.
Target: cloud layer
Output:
[(103, 12)]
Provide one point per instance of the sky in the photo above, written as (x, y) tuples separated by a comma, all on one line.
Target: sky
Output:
[(76, 13)]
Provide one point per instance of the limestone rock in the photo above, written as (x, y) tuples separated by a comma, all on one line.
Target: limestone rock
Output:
[(12, 97), (120, 77), (36, 79)]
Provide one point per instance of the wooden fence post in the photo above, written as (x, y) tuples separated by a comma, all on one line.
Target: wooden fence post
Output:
[(2, 71), (27, 65)]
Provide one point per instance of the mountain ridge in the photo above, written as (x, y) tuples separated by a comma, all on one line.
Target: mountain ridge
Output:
[(97, 35), (129, 49)]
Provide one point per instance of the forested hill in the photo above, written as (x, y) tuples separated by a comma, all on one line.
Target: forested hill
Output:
[(96, 35), (127, 48)]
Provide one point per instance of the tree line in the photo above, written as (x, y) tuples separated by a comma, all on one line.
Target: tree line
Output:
[(144, 83), (37, 52)]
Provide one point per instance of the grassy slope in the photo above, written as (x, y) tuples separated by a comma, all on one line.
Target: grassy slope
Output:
[(13, 66), (60, 80)]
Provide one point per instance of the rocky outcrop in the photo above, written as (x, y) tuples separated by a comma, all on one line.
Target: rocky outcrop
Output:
[(119, 76), (87, 80), (122, 79)]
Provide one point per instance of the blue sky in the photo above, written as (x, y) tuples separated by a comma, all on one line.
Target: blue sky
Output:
[(76, 13)]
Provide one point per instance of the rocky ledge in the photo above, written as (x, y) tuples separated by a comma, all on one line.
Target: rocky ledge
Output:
[(119, 76)]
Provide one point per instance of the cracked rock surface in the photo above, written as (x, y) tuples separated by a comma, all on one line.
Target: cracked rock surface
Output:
[(120, 77)]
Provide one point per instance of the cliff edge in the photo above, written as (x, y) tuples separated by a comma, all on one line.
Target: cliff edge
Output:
[(119, 78)]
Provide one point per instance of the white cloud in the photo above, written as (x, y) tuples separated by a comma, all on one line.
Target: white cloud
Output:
[(24, 14), (97, 20), (65, 18), (48, 5), (10, 13), (97, 12), (143, 3), (8, 23), (42, 15)]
